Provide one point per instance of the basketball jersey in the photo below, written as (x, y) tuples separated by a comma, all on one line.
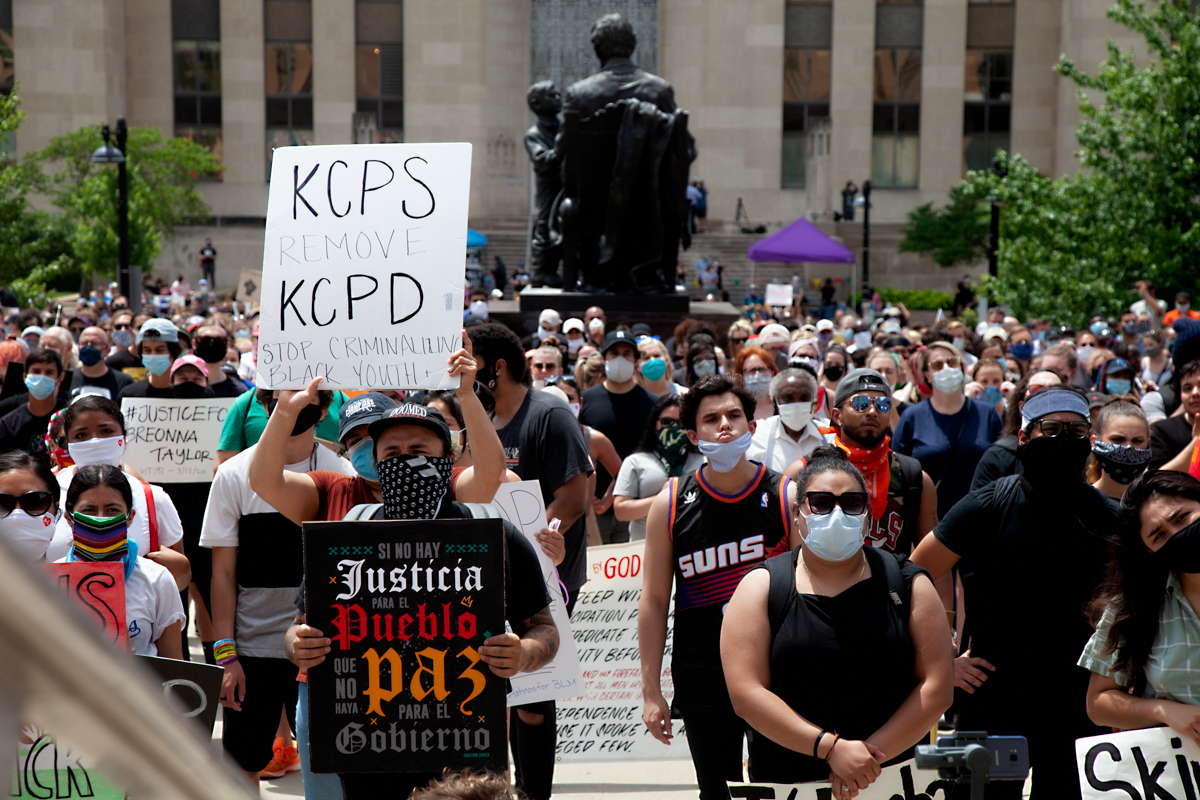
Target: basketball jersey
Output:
[(716, 539)]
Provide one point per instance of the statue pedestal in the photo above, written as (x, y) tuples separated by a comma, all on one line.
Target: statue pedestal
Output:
[(570, 304)]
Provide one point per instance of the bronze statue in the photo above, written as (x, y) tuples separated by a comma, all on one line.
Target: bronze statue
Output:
[(546, 245)]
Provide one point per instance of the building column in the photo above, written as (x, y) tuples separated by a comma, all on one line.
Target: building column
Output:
[(942, 68), (149, 66), (1036, 47), (851, 93), (243, 190), (333, 71)]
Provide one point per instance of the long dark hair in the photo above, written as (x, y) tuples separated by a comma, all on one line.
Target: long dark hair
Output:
[(94, 475), (650, 434), (1136, 581), (16, 461)]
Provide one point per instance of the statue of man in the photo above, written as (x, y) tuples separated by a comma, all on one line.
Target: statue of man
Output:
[(545, 250), (619, 78)]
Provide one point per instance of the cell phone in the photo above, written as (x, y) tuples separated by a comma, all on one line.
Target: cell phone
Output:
[(1009, 755)]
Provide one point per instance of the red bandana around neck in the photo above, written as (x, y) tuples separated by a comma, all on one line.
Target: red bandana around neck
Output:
[(875, 468)]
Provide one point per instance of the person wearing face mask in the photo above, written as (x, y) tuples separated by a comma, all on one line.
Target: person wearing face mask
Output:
[(189, 378), (1115, 377), (29, 504), (1146, 625), (256, 571), (211, 344), (546, 362), (597, 323), (753, 369), (1020, 346), (94, 376), (700, 361), (1156, 362), (549, 323), (1037, 545), (158, 347), (94, 433), (949, 433), (790, 434), (664, 453), (124, 357), (412, 451), (24, 428), (653, 373), (1001, 458), (826, 615), (833, 367), (730, 505), (618, 407), (1120, 447), (573, 330), (1182, 310)]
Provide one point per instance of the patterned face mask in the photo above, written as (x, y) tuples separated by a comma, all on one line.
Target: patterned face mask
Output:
[(413, 487)]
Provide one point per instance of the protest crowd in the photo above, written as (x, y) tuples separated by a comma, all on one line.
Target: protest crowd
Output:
[(818, 494)]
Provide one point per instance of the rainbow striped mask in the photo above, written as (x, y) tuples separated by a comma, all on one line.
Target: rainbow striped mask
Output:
[(100, 538)]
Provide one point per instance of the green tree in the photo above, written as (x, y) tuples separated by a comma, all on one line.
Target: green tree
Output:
[(162, 175), (954, 234)]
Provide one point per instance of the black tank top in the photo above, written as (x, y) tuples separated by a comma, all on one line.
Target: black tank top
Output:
[(716, 539), (844, 663)]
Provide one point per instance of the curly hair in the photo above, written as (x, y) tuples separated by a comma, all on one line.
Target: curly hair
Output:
[(467, 785)]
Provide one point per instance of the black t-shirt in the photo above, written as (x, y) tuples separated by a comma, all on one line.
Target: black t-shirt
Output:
[(230, 387), (143, 388), (20, 430), (1037, 562), (123, 359), (1167, 438), (207, 254), (997, 461), (111, 382), (620, 417), (543, 443)]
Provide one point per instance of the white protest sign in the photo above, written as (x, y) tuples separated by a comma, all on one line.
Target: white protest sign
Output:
[(898, 782), (1148, 764), (173, 441), (521, 504), (607, 724), (779, 294), (363, 266)]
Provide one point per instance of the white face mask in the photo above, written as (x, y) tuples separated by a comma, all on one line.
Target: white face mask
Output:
[(960, 343), (538, 384), (724, 456), (30, 534), (98, 451), (618, 369), (948, 380), (835, 536), (796, 415), (862, 340), (574, 409), (573, 345)]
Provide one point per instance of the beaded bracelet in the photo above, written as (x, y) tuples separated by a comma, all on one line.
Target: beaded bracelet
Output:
[(225, 651)]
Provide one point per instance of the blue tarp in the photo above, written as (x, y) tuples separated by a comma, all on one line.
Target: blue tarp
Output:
[(475, 238)]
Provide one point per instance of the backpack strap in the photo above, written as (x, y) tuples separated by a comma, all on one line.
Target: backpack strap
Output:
[(782, 570), (914, 487), (898, 589), (363, 511), (151, 516)]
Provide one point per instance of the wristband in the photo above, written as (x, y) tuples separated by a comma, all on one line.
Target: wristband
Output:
[(837, 737), (817, 742), (225, 651)]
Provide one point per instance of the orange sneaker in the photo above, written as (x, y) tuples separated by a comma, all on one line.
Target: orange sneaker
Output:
[(285, 760)]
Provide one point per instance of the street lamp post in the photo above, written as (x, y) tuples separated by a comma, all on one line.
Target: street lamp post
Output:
[(107, 156), (999, 170), (865, 203)]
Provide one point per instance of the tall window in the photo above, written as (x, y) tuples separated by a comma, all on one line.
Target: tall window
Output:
[(288, 27), (987, 92), (8, 143), (808, 34), (896, 119), (379, 71), (196, 39)]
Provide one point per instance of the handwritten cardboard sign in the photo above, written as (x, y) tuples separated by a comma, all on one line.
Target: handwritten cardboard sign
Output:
[(173, 441), (521, 504), (408, 605), (98, 588), (192, 687), (47, 768), (1148, 764), (897, 782), (607, 724), (363, 265), (779, 294)]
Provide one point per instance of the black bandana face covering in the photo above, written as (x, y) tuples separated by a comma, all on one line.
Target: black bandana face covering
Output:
[(413, 487), (1182, 551), (1121, 462)]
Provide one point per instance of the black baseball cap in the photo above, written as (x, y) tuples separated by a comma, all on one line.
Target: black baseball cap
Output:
[(616, 337), (641, 329), (412, 414), (362, 410)]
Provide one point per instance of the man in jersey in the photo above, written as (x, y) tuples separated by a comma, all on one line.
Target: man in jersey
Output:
[(408, 439), (705, 531), (903, 498)]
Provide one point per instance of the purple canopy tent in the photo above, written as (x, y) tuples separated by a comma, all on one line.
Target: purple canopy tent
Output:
[(800, 241)]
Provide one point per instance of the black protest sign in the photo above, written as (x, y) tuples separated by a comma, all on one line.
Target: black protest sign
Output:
[(194, 688), (407, 604)]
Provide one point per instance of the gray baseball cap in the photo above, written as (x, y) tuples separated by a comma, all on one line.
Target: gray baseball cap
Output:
[(859, 380)]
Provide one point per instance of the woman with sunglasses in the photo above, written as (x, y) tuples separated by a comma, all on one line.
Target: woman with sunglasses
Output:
[(1145, 638), (949, 433), (1001, 458), (28, 503), (663, 453), (807, 631), (99, 507)]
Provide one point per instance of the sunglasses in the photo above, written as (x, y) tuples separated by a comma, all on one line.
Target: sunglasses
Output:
[(853, 503), (1054, 427), (122, 327), (861, 402), (664, 422), (738, 340), (32, 503), (936, 365)]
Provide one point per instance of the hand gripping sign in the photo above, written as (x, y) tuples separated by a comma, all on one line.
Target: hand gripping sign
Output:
[(364, 261)]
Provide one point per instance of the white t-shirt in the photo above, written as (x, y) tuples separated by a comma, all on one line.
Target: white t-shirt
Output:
[(170, 528), (771, 445), (641, 476), (151, 604), (248, 367)]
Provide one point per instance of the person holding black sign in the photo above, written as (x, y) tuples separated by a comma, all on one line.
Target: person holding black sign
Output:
[(408, 440)]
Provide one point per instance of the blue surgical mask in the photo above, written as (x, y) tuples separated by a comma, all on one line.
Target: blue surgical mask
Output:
[(1021, 352), (654, 369), (724, 456), (157, 365), (362, 458), (40, 386), (835, 536), (89, 356), (1118, 386), (991, 395)]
